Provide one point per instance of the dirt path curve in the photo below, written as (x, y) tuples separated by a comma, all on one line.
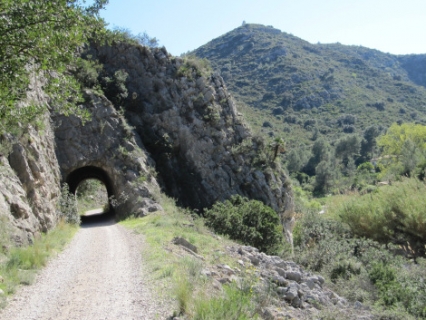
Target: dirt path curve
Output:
[(98, 276)]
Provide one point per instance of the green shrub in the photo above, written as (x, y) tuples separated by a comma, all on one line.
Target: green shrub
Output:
[(384, 277), (41, 36), (193, 64), (115, 87), (68, 209), (248, 221), (4, 234), (87, 71), (399, 288), (312, 229), (412, 279), (345, 269), (125, 35)]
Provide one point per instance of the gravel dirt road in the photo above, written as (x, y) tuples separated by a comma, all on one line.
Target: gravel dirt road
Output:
[(100, 275)]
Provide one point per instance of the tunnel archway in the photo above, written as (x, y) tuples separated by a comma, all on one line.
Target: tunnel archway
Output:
[(91, 172)]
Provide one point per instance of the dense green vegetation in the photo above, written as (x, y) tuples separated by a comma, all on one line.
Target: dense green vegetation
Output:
[(404, 150), (67, 206), (390, 215)]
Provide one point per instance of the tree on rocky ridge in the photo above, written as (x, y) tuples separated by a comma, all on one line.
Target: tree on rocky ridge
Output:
[(278, 147)]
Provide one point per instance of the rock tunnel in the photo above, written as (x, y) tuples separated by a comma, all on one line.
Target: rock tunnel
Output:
[(185, 131), (105, 149), (91, 172)]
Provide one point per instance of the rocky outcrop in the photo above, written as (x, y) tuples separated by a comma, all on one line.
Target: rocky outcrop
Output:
[(29, 184), (188, 122), (292, 293)]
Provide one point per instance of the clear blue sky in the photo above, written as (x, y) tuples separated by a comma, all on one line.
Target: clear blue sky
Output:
[(394, 26)]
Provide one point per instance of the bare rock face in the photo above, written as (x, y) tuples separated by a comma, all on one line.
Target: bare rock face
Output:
[(29, 185), (203, 150), (29, 176), (107, 149)]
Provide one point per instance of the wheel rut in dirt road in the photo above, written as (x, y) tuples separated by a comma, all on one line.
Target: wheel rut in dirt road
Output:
[(98, 276)]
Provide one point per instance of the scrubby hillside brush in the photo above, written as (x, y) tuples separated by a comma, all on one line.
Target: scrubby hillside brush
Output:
[(371, 247)]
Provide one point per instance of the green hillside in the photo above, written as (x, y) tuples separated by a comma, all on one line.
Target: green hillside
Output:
[(301, 91)]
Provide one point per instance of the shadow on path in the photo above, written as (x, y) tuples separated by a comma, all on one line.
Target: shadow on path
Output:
[(98, 220)]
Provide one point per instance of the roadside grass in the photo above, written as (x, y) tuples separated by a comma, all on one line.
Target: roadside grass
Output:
[(18, 265), (180, 273), (161, 228), (234, 304)]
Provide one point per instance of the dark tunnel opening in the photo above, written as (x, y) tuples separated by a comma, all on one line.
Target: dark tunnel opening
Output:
[(77, 177)]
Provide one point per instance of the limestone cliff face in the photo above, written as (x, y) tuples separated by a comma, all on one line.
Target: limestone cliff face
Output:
[(30, 185), (189, 123)]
